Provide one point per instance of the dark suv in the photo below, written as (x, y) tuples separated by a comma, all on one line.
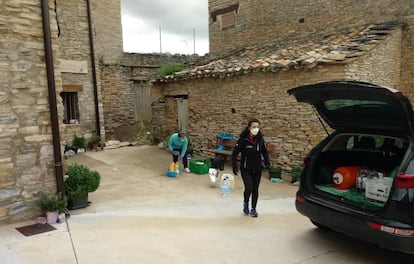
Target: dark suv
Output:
[(359, 180)]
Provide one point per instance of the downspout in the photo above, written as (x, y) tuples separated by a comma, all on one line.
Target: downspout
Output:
[(52, 97), (95, 85)]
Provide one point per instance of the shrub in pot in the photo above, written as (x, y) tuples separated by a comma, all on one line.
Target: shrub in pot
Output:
[(79, 143), (52, 206), (295, 173), (275, 171), (80, 181), (95, 143)]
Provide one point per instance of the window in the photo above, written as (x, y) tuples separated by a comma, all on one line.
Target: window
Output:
[(228, 20), (343, 103), (226, 16), (71, 108)]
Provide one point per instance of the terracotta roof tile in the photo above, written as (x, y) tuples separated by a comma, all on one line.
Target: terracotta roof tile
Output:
[(336, 48)]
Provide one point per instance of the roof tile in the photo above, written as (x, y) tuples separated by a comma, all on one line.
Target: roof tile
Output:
[(332, 49)]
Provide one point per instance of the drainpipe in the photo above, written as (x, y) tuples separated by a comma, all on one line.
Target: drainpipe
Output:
[(95, 85), (52, 97)]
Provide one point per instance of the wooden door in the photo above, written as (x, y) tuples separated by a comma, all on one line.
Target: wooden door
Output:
[(182, 110), (142, 102)]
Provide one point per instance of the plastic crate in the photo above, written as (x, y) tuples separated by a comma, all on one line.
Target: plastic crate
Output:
[(199, 166)]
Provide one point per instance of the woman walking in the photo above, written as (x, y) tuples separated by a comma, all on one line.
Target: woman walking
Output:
[(252, 147)]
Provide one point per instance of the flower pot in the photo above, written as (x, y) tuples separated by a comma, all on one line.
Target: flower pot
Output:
[(81, 202), (275, 172), (52, 217)]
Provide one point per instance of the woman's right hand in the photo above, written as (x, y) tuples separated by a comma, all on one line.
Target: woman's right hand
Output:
[(235, 171)]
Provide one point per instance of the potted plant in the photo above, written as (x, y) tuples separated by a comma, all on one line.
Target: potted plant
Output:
[(52, 206), (94, 143), (295, 174), (79, 143), (79, 183), (275, 171)]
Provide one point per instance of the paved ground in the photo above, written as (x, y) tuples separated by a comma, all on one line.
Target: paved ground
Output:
[(138, 215)]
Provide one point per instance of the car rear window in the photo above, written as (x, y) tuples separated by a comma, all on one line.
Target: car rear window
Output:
[(363, 142), (344, 103)]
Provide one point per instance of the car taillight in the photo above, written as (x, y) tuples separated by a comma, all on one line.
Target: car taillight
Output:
[(305, 160), (392, 230), (405, 181), (299, 198)]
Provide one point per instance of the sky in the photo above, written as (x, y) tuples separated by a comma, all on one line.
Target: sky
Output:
[(176, 24)]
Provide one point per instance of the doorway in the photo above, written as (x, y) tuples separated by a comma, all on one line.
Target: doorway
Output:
[(182, 114)]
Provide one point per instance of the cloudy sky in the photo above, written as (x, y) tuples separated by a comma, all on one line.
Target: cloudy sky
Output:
[(178, 21)]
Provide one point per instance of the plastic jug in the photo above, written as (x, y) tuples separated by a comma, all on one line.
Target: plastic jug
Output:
[(362, 177), (226, 184), (225, 187)]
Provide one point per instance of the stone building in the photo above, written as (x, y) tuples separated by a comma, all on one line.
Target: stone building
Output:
[(126, 95), (49, 91), (55, 84), (259, 50)]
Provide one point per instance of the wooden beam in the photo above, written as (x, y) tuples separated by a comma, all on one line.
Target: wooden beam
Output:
[(72, 88)]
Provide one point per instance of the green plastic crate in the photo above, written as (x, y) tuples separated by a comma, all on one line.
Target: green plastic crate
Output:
[(199, 166)]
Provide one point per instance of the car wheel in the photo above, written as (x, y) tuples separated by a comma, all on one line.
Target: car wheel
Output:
[(319, 225)]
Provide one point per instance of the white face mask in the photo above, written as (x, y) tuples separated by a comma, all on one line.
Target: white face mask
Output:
[(254, 131)]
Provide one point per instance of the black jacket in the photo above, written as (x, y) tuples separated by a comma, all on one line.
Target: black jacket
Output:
[(251, 153)]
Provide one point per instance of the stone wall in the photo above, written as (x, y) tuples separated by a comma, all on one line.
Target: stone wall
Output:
[(26, 150), (108, 30), (407, 58), (122, 84), (224, 105), (74, 45), (261, 22), (382, 65), (117, 98)]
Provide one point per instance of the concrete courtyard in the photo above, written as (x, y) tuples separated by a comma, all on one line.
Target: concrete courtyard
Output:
[(139, 215)]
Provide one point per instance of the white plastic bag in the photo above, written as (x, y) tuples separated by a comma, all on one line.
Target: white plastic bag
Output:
[(214, 175)]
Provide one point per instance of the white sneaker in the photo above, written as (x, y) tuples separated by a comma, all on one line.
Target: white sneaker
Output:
[(187, 170)]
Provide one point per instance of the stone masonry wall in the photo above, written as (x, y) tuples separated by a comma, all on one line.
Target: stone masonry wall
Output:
[(261, 22), (382, 65), (108, 30), (117, 97), (119, 84), (224, 105), (407, 58), (72, 18), (26, 151)]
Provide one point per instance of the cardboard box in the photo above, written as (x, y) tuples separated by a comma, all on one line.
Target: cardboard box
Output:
[(378, 189)]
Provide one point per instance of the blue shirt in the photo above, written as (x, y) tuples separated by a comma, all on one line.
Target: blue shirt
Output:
[(175, 143)]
